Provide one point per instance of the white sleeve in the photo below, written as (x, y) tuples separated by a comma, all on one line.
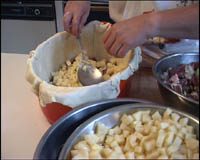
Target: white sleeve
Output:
[(116, 10)]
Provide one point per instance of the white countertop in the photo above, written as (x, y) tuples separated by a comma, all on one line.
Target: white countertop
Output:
[(22, 121)]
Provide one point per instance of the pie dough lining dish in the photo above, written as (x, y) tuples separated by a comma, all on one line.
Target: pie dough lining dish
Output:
[(53, 52)]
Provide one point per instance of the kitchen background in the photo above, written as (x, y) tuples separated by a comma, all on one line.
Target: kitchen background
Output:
[(25, 23)]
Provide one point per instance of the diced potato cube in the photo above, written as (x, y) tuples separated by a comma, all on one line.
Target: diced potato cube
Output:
[(101, 130), (109, 139), (156, 116), (177, 141), (162, 151), (68, 63), (109, 64), (167, 113), (154, 129), (113, 144), (81, 155), (139, 128), (175, 117), (172, 149), (74, 152), (119, 139), (106, 152), (127, 119), (169, 138), (140, 156), (183, 121), (106, 77), (113, 60), (195, 156), (164, 125), (172, 128), (137, 116), (125, 133), (189, 135), (127, 146), (192, 143), (178, 156), (163, 157), (125, 127), (138, 135), (153, 155), (101, 63), (96, 147), (149, 145), (189, 154), (183, 149), (180, 134), (145, 117), (130, 155), (138, 149), (132, 140), (95, 155), (118, 149), (190, 129), (91, 139), (82, 145), (110, 71), (183, 130), (121, 156), (160, 138), (113, 155)]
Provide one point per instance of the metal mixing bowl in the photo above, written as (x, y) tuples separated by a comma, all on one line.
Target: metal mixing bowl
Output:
[(171, 97), (111, 118), (52, 141)]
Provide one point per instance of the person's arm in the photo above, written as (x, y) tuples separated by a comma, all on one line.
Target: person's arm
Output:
[(174, 23), (177, 23), (75, 16)]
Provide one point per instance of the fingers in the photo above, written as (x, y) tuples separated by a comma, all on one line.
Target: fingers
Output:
[(107, 35), (115, 47), (67, 21), (71, 23), (118, 49), (76, 13), (122, 51), (82, 22), (109, 40), (75, 25)]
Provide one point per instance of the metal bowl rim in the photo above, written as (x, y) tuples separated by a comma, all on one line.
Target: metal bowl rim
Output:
[(51, 129), (166, 87), (64, 152)]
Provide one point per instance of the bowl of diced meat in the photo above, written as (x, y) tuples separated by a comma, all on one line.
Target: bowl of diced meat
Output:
[(178, 79)]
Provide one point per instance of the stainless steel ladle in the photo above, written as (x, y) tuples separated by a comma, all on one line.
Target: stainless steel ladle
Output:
[(87, 73)]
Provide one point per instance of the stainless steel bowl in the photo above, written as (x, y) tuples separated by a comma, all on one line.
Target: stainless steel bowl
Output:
[(111, 117), (171, 97), (52, 141)]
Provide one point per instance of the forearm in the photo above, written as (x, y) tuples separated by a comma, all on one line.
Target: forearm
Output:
[(176, 23)]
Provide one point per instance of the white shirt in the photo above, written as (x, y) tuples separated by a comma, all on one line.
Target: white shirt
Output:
[(121, 10)]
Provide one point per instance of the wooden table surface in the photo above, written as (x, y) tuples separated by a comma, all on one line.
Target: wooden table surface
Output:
[(143, 85)]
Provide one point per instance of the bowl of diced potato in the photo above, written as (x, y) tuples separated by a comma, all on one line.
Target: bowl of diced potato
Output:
[(135, 131)]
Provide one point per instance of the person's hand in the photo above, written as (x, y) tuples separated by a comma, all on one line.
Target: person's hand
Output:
[(126, 35), (75, 16)]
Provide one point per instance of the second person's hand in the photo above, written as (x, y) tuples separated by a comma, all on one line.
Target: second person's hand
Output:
[(75, 16), (128, 34)]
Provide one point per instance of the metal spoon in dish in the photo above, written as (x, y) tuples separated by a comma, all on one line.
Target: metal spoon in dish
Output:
[(87, 73)]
